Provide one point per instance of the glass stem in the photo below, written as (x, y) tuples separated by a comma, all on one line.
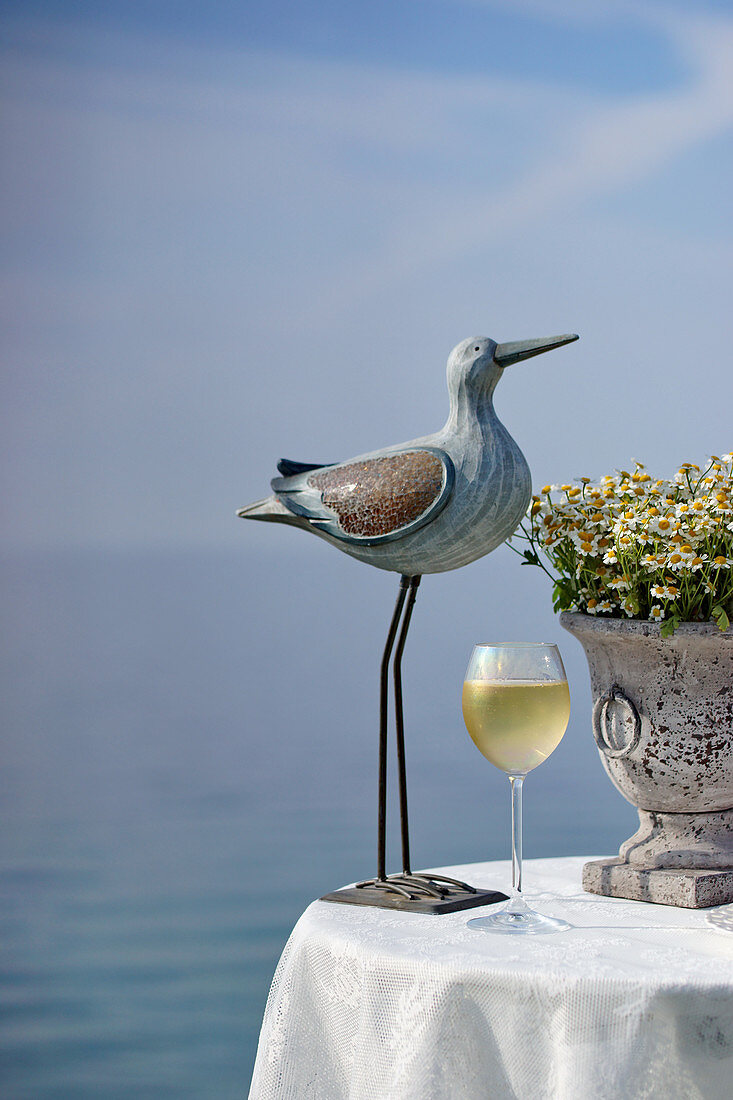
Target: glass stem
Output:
[(516, 903)]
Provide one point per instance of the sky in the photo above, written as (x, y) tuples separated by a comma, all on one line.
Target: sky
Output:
[(235, 231)]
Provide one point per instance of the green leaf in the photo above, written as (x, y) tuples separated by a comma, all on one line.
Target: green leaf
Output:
[(563, 592), (721, 617), (669, 626)]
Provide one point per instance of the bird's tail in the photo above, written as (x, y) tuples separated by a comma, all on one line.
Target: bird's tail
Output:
[(269, 509)]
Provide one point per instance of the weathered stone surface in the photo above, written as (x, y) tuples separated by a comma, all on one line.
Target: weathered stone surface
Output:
[(682, 690), (663, 723), (690, 889), (701, 841)]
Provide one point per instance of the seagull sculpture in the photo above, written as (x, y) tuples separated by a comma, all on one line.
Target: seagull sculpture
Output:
[(432, 504)]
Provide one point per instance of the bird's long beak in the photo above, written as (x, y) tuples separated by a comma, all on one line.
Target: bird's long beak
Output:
[(506, 354)]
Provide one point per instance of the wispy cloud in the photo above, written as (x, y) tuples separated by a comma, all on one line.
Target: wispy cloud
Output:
[(603, 146), (177, 218), (422, 169)]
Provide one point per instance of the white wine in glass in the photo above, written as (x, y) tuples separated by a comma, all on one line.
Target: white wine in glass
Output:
[(516, 707)]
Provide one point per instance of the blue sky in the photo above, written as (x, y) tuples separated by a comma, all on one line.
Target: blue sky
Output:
[(587, 50), (235, 231)]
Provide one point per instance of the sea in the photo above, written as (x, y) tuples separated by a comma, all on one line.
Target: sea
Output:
[(189, 745)]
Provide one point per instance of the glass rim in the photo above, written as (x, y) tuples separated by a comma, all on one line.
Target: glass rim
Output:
[(515, 645)]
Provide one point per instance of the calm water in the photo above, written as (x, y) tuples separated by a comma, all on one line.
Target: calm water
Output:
[(188, 759)]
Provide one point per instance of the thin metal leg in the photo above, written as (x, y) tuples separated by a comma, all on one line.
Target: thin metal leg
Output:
[(383, 718), (419, 893), (400, 726)]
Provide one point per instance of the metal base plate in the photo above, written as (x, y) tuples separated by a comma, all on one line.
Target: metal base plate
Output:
[(382, 899), (689, 889)]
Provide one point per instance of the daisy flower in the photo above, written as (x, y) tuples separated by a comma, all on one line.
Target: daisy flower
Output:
[(638, 546)]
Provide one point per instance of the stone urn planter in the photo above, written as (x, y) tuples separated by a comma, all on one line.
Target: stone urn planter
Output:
[(663, 723)]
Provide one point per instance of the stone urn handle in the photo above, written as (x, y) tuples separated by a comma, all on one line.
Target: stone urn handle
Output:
[(603, 725)]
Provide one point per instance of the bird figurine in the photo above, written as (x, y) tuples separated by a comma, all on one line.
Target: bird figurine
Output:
[(426, 506)]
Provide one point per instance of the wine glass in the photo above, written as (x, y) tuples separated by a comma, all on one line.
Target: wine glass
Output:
[(516, 707)]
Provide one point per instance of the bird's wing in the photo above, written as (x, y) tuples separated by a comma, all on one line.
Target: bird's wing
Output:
[(288, 467), (371, 500)]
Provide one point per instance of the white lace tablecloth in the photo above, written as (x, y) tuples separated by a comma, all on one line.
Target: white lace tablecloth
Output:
[(636, 1001)]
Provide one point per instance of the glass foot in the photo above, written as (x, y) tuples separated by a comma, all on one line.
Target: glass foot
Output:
[(518, 921)]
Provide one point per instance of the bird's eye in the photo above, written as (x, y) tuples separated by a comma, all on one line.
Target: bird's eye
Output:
[(477, 348)]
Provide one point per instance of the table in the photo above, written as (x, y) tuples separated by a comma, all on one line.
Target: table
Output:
[(635, 1001)]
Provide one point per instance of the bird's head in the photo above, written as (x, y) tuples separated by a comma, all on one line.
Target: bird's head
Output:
[(478, 364)]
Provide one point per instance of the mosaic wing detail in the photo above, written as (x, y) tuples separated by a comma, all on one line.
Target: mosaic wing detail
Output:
[(372, 500)]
